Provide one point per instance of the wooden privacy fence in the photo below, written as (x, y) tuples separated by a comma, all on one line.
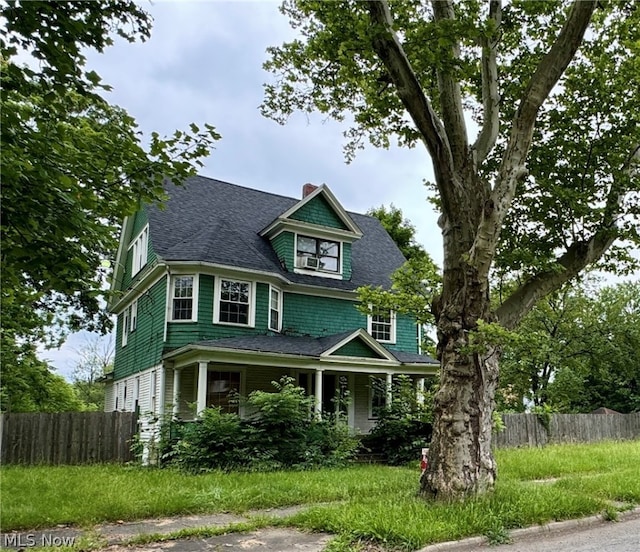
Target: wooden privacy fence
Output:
[(67, 437), (536, 430)]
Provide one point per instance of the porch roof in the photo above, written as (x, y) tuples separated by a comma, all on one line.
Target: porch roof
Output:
[(305, 347)]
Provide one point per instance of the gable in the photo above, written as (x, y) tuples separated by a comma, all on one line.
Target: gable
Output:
[(358, 344), (318, 211), (357, 348)]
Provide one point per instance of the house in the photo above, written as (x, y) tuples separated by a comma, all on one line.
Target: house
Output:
[(226, 289)]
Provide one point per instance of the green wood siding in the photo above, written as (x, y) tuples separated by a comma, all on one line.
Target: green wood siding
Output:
[(284, 244), (144, 345), (319, 316), (318, 211), (356, 348), (406, 334), (139, 222)]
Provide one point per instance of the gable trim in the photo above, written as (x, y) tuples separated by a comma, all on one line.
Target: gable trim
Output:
[(118, 271), (353, 230), (291, 225), (364, 336)]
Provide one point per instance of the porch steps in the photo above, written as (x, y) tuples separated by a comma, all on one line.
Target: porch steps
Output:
[(369, 458)]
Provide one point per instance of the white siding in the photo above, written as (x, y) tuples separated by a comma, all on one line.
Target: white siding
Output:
[(109, 396)]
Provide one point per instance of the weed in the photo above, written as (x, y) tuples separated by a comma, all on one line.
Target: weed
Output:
[(498, 535)]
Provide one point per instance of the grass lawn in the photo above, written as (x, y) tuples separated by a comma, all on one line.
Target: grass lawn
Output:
[(363, 502)]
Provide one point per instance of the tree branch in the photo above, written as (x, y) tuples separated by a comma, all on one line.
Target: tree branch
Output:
[(449, 86), (578, 256), (490, 95), (512, 169), (388, 48)]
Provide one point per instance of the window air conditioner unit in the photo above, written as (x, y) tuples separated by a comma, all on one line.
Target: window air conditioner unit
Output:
[(312, 263)]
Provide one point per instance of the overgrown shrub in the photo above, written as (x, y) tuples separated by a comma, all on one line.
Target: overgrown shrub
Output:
[(216, 441), (403, 427), (281, 433), (280, 425)]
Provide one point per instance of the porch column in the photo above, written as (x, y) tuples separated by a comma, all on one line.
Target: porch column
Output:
[(202, 387), (389, 384), (176, 392), (420, 390), (318, 405)]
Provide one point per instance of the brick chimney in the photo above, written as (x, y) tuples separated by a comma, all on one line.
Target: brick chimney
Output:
[(307, 189)]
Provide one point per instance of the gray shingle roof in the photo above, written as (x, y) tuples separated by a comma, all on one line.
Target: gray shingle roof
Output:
[(217, 222), (299, 345)]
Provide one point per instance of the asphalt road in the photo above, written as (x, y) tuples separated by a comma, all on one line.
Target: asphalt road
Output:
[(599, 536)]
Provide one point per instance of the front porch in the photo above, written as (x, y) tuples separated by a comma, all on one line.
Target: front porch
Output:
[(212, 374)]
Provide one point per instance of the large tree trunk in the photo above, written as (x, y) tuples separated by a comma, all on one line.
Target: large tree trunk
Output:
[(461, 462)]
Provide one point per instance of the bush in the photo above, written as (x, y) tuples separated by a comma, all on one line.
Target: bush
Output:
[(403, 427), (280, 434), (280, 423), (214, 442)]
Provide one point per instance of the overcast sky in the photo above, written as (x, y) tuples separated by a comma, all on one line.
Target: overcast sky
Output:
[(203, 64)]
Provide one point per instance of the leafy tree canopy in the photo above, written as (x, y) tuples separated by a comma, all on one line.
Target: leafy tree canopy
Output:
[(576, 351), (72, 164), (29, 384)]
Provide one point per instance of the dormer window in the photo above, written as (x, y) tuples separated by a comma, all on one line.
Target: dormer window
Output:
[(139, 248), (318, 254)]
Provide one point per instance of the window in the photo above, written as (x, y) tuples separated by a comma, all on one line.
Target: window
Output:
[(377, 396), (223, 389), (133, 316), (234, 302), (184, 298), (139, 249), (275, 309), (125, 326), (382, 325), (327, 252)]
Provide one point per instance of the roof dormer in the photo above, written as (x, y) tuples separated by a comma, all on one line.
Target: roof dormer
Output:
[(314, 236)]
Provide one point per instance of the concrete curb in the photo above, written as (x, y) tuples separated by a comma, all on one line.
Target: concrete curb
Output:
[(473, 543)]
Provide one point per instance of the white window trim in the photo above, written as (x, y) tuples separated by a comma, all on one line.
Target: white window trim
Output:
[(133, 316), (125, 326), (194, 297), (392, 340), (321, 273), (217, 289), (139, 248), (280, 309)]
